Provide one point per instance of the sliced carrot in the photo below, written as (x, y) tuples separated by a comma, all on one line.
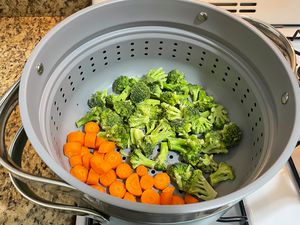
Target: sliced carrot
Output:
[(86, 160), (107, 146), (90, 139), (161, 181), (123, 170), (189, 199), (117, 189), (133, 185), (98, 187), (177, 200), (166, 196), (96, 153), (150, 196), (99, 165), (75, 160), (72, 149), (114, 158), (91, 127), (76, 136), (107, 178), (130, 197), (147, 182), (80, 172), (93, 177), (84, 150), (141, 170), (99, 141)]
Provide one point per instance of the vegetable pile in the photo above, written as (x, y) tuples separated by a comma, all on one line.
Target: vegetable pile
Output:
[(162, 110)]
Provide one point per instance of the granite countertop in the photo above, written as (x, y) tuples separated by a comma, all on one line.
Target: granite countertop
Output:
[(18, 36)]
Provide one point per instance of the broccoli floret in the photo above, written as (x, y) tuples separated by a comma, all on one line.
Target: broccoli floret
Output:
[(97, 99), (109, 118), (124, 108), (155, 90), (136, 137), (207, 164), (194, 90), (199, 186), (185, 103), (176, 77), (218, 116), (92, 115), (120, 84), (180, 173), (181, 127), (118, 134), (111, 99), (137, 158), (155, 75), (171, 112), (223, 173), (231, 134), (213, 143), (170, 98), (162, 156), (205, 102), (201, 125), (190, 113), (139, 92), (162, 131)]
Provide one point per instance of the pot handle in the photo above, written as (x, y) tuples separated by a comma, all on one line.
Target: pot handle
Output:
[(11, 160)]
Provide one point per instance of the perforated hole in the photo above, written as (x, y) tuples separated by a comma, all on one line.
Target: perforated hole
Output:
[(79, 67), (91, 58), (69, 77), (94, 70), (81, 73), (93, 64), (153, 171)]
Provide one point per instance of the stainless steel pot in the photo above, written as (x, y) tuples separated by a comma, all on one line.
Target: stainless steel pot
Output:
[(238, 65)]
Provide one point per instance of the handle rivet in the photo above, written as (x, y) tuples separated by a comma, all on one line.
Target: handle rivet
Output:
[(201, 17), (40, 68), (284, 98)]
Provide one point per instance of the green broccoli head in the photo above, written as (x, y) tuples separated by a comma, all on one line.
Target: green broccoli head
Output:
[(170, 97), (176, 77), (231, 134), (124, 108), (213, 143), (137, 158), (162, 157), (194, 90), (204, 102), (97, 99), (180, 173), (182, 127), (171, 112), (155, 75), (139, 92), (185, 103), (207, 164), (109, 118), (138, 120), (197, 185), (223, 173), (111, 99), (120, 84), (119, 134), (201, 125), (92, 115), (219, 116), (136, 137), (162, 131), (155, 90)]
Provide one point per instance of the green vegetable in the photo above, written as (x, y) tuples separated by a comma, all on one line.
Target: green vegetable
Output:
[(98, 99), (180, 173), (223, 173), (124, 108), (231, 134), (109, 118), (219, 116), (139, 92), (155, 75), (213, 143), (92, 115), (170, 98), (118, 134), (162, 156), (204, 102), (120, 84), (171, 112), (207, 164)]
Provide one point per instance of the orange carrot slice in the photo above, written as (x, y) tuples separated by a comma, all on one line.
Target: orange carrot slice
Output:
[(99, 165), (133, 185), (147, 182), (130, 197), (117, 189), (150, 196), (114, 158), (141, 170), (161, 181), (123, 170), (93, 177), (72, 149), (76, 136), (107, 178), (79, 172), (92, 127)]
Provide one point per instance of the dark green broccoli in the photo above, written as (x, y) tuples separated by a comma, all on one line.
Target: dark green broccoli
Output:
[(199, 186), (111, 99), (170, 98), (161, 132), (155, 75), (97, 99), (231, 134), (171, 112), (218, 116), (92, 115), (205, 102), (175, 82), (137, 158), (120, 84), (182, 127), (162, 156), (223, 173), (180, 173), (118, 133), (213, 143), (207, 164), (194, 90), (139, 92), (124, 108), (109, 118)]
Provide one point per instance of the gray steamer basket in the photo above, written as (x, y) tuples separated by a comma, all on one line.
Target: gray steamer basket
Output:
[(235, 63)]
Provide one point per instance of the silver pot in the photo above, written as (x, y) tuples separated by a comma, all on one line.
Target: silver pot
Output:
[(240, 66)]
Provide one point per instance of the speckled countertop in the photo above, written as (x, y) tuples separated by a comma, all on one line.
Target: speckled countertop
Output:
[(18, 36)]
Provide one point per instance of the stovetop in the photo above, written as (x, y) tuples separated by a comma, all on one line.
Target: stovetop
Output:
[(277, 202)]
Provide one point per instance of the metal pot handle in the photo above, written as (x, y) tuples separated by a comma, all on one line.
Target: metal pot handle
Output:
[(11, 160)]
